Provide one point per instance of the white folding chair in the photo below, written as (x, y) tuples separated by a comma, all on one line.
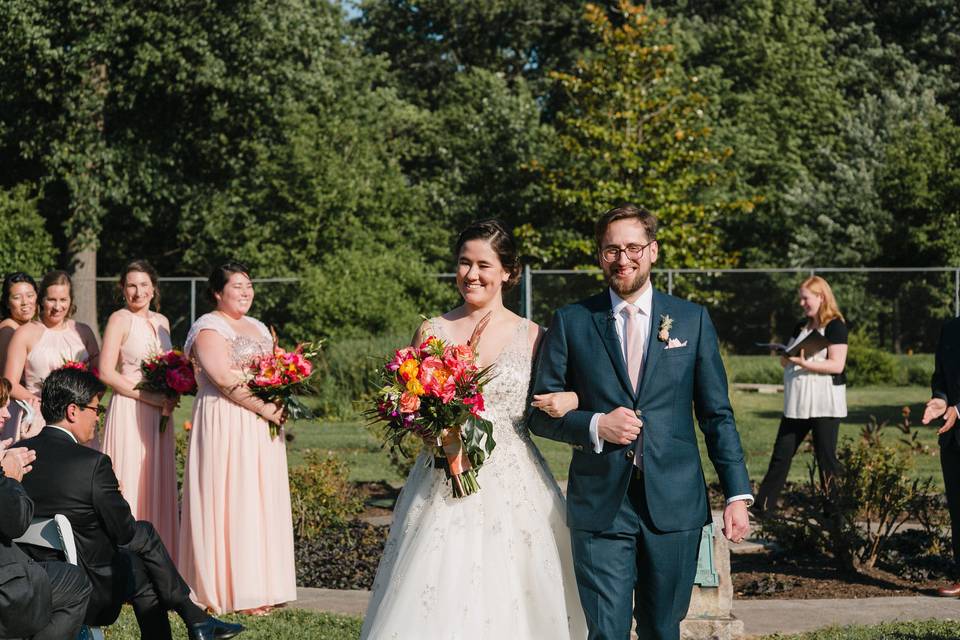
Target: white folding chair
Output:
[(57, 534)]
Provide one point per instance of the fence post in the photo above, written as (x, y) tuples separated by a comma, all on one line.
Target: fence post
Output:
[(527, 292), (193, 301), (956, 293), (670, 282)]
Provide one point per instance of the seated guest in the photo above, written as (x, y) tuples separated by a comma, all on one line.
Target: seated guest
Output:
[(42, 600), (124, 558)]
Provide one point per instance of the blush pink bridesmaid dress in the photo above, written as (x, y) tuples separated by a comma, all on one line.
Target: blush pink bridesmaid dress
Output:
[(143, 458), (52, 350), (236, 533)]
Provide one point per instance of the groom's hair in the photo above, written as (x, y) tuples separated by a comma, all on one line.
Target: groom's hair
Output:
[(64, 387), (623, 212)]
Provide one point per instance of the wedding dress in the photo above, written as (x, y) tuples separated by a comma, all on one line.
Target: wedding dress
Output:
[(495, 564)]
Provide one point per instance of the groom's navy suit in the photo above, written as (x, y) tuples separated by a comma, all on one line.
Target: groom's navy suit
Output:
[(614, 512)]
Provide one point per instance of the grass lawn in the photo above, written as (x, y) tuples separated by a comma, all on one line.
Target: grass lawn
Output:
[(758, 416), (288, 624), (925, 630)]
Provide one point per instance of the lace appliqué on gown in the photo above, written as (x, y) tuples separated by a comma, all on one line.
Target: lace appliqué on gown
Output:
[(496, 564)]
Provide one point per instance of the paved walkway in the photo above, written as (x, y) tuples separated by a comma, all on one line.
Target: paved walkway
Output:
[(760, 617)]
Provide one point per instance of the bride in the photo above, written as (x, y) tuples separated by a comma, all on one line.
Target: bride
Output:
[(495, 564)]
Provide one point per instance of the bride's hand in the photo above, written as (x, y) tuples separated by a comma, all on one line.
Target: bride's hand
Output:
[(557, 404)]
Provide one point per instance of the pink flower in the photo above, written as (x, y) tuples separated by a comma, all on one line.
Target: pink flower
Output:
[(475, 403), (409, 402), (448, 390), (400, 356)]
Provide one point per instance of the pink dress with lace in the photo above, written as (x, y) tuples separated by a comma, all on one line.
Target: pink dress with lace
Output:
[(236, 533), (143, 458)]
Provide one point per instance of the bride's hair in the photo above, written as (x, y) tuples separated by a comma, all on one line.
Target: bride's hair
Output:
[(501, 241)]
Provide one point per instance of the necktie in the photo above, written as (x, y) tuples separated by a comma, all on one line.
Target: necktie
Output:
[(633, 337)]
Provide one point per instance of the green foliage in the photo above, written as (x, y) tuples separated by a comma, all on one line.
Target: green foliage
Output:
[(320, 494), (867, 365), (853, 516), (635, 127), (754, 369), (346, 368), (285, 624), (26, 244)]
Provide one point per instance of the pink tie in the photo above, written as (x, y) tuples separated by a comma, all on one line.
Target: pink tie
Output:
[(633, 337)]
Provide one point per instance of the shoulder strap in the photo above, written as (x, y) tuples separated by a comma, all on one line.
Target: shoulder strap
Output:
[(207, 321)]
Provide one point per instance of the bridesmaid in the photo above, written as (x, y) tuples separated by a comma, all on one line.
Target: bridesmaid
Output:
[(236, 534), (143, 458), (18, 307), (40, 346)]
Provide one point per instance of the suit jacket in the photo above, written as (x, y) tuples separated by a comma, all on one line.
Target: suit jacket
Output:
[(581, 352), (946, 373), (25, 598), (79, 482)]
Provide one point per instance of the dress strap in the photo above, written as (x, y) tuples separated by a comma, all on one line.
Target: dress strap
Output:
[(207, 321)]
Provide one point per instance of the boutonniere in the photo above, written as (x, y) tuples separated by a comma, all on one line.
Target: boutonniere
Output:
[(666, 323)]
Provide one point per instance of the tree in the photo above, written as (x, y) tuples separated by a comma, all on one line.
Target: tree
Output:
[(26, 244), (634, 127)]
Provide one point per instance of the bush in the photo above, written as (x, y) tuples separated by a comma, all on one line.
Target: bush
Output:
[(346, 368), (755, 369), (320, 495), (853, 517), (26, 244), (867, 365), (344, 557)]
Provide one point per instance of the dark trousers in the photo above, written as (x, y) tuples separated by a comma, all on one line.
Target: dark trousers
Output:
[(143, 575), (70, 591), (950, 464), (630, 570), (790, 435)]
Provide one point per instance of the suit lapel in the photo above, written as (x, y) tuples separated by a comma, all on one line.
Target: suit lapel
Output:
[(604, 322), (660, 306)]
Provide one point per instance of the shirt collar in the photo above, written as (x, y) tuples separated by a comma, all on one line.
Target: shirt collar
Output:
[(72, 437), (643, 304)]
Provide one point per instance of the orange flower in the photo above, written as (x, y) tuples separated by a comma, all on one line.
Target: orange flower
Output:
[(409, 402), (409, 369), (414, 387)]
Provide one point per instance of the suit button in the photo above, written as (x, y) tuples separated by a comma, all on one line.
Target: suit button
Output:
[(629, 454)]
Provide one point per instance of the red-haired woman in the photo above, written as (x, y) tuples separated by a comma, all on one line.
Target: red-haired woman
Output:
[(814, 394)]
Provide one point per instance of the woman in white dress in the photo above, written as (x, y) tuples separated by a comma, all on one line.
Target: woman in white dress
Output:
[(495, 564)]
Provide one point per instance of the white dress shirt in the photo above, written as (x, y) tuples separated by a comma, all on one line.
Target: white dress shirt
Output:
[(72, 437), (644, 305)]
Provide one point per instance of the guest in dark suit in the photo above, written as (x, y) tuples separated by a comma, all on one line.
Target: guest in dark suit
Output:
[(42, 600), (124, 558), (946, 402)]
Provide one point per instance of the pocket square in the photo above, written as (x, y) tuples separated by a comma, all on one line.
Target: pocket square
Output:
[(674, 343)]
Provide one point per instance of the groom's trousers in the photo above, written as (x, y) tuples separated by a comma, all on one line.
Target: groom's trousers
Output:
[(633, 571)]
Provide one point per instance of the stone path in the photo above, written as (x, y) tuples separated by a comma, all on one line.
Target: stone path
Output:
[(760, 617)]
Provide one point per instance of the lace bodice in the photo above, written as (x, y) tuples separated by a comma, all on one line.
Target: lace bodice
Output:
[(242, 348), (506, 395)]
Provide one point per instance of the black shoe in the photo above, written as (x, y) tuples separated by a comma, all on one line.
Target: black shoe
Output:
[(213, 629)]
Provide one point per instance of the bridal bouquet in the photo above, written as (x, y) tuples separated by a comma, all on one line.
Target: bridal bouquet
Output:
[(435, 392), (169, 373), (278, 376)]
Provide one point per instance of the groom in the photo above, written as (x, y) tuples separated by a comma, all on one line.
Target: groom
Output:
[(641, 363)]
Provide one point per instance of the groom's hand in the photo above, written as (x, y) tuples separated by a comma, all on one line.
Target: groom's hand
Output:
[(736, 521), (620, 426)]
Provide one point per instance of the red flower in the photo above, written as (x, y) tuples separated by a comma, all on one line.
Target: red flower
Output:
[(475, 403)]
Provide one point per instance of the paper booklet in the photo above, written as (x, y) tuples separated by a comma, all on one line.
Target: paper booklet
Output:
[(813, 343)]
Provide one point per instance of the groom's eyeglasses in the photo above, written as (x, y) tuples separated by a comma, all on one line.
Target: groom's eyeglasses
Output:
[(633, 251)]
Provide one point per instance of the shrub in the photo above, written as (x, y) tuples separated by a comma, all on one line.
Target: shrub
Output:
[(320, 495), (344, 557), (867, 365), (346, 368), (755, 369), (854, 516)]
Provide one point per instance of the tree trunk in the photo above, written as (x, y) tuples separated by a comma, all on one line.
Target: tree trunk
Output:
[(84, 263)]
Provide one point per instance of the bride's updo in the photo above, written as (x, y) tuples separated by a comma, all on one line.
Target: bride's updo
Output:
[(495, 233)]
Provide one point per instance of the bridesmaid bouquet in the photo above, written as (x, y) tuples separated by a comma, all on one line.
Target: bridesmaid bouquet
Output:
[(278, 376), (435, 392), (169, 373)]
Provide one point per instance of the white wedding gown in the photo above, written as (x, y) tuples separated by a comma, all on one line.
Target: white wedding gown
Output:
[(493, 565)]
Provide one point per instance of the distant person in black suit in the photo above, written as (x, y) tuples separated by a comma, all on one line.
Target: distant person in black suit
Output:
[(39, 600), (124, 558), (946, 403), (814, 394)]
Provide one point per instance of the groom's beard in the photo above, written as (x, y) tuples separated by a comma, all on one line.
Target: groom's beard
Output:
[(624, 288)]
